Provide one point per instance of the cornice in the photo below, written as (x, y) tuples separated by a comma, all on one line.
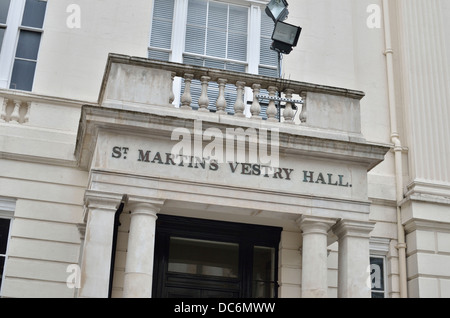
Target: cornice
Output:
[(160, 121), (428, 225), (35, 97), (214, 74)]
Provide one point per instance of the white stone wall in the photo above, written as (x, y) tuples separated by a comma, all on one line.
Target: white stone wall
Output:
[(72, 60), (336, 48), (37, 168), (44, 239)]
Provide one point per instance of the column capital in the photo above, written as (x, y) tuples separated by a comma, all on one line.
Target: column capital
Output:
[(353, 228), (99, 199), (105, 201), (311, 223), (136, 204)]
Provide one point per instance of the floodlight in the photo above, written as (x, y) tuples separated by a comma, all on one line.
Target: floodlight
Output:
[(285, 36), (277, 10)]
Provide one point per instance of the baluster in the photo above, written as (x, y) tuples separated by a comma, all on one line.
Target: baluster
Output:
[(255, 109), (288, 112), (221, 103), (303, 114), (272, 109), (26, 118), (239, 105), (186, 99), (203, 101), (15, 116), (3, 113), (172, 95)]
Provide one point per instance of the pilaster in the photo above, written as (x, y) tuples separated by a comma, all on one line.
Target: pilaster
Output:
[(426, 69), (99, 215), (354, 258)]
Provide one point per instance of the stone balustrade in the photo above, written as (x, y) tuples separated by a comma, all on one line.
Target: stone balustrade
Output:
[(145, 82), (14, 111)]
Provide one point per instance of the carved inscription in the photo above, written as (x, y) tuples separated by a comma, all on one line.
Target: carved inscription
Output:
[(242, 168)]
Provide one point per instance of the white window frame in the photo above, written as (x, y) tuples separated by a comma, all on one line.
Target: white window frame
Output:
[(7, 208), (4, 26), (177, 51), (11, 39)]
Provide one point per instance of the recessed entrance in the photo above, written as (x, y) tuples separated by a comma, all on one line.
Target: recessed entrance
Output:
[(211, 259)]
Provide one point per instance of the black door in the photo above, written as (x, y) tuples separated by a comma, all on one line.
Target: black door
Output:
[(208, 259)]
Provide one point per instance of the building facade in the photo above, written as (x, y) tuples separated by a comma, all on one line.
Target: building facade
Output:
[(156, 149)]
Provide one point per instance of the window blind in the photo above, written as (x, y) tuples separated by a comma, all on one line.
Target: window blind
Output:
[(161, 35), (216, 36)]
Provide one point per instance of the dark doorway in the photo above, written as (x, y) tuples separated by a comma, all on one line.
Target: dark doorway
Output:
[(211, 259)]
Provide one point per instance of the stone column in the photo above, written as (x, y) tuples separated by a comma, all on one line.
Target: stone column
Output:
[(141, 246), (354, 258), (100, 209), (314, 255)]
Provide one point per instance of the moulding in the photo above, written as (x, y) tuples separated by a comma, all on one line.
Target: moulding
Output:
[(353, 228), (268, 203), (94, 199), (428, 191), (38, 159), (34, 97), (7, 207), (250, 79), (379, 245), (426, 225), (161, 121)]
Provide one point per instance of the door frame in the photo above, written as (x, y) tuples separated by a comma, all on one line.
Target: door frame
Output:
[(246, 235)]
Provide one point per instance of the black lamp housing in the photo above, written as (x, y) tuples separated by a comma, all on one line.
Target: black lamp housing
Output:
[(285, 36), (277, 10)]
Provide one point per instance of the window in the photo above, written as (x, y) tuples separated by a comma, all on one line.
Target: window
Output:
[(377, 276), (218, 34), (7, 207), (264, 281), (28, 45), (204, 258), (21, 40), (379, 249), (161, 37)]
